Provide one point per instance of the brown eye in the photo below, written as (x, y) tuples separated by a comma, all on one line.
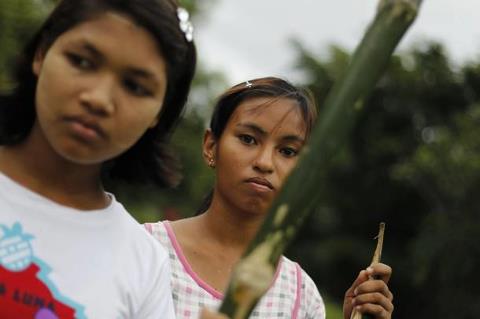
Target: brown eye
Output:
[(80, 61), (247, 139), (136, 88), (288, 152)]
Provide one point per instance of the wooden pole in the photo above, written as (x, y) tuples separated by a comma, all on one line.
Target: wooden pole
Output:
[(377, 256)]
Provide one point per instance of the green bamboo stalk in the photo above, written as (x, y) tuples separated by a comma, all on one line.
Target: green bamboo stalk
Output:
[(254, 272)]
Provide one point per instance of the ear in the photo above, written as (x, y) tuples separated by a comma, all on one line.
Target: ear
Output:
[(209, 147), (37, 62)]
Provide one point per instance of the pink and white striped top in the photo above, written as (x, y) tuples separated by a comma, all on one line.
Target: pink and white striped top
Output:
[(293, 293)]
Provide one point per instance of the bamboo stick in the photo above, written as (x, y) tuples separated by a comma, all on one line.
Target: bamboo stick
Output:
[(254, 272), (377, 256)]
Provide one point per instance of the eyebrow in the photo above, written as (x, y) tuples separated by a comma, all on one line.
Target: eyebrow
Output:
[(92, 49), (137, 72), (293, 138), (257, 129)]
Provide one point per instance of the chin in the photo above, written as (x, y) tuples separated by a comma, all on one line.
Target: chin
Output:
[(256, 206), (81, 157)]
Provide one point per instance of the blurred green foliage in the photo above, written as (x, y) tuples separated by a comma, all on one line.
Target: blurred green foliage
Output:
[(333, 310), (413, 161), (18, 19)]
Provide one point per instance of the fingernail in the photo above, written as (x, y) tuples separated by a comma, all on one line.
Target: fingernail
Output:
[(353, 302), (370, 270), (355, 292)]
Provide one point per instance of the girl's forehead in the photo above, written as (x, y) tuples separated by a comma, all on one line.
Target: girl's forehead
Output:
[(271, 113), (108, 33)]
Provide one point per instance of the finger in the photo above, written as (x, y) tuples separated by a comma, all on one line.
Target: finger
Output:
[(380, 271), (373, 299), (372, 286), (349, 294), (361, 278), (375, 310)]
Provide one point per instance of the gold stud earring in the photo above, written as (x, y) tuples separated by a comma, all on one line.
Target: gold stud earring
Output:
[(211, 162)]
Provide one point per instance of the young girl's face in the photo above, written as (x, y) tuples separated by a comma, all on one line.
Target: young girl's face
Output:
[(257, 150), (101, 85)]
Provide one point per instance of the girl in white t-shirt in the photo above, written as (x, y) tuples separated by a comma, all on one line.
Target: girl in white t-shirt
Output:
[(98, 90), (256, 133)]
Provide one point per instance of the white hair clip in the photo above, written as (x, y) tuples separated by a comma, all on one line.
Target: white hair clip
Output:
[(248, 84), (185, 24)]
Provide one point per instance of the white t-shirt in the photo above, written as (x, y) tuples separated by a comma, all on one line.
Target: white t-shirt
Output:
[(59, 262)]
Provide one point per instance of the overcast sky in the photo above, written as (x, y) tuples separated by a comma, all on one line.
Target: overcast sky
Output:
[(250, 38)]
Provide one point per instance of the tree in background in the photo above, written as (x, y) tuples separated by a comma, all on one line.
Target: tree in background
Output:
[(18, 18), (413, 162)]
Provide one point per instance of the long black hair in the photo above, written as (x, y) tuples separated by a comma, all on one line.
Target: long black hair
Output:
[(150, 159)]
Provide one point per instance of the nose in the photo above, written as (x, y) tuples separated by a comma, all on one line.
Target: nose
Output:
[(263, 162), (98, 98)]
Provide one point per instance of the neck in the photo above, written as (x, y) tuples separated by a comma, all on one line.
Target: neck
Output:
[(43, 171), (229, 225)]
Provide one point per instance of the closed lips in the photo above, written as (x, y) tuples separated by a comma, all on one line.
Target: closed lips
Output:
[(88, 124), (260, 181)]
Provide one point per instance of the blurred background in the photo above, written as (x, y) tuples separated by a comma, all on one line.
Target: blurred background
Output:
[(413, 159)]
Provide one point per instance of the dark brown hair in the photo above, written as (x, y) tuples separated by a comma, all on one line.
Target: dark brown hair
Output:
[(149, 160), (273, 87)]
